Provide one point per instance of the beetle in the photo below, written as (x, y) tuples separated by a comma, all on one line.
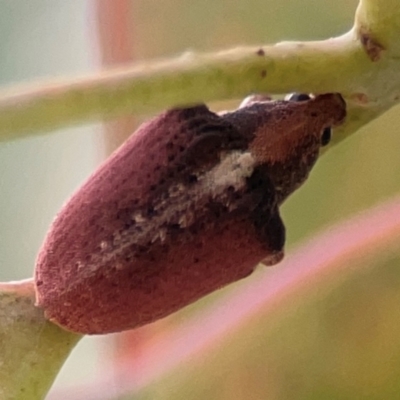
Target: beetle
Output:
[(188, 204)]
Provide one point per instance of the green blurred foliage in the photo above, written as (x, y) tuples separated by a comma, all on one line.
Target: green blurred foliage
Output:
[(40, 38), (352, 176), (168, 27)]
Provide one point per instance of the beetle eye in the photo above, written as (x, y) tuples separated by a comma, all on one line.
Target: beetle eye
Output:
[(326, 136), (297, 97)]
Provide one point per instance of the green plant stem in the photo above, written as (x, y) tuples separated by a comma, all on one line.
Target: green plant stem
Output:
[(382, 19), (32, 350), (335, 65), (149, 87)]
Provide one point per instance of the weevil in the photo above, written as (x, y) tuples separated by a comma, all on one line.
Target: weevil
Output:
[(187, 205)]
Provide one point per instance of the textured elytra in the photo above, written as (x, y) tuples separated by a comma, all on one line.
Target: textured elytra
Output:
[(189, 204)]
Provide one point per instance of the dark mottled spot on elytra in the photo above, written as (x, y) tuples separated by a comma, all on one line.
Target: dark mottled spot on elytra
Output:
[(207, 142), (195, 124), (123, 214), (256, 180), (216, 209), (150, 212), (194, 230), (260, 52), (181, 149), (259, 222), (192, 178), (174, 227), (196, 260), (169, 146), (171, 157), (153, 188), (152, 258), (192, 112), (207, 128), (142, 249), (237, 195), (128, 224), (314, 114), (180, 168), (263, 73), (202, 224)]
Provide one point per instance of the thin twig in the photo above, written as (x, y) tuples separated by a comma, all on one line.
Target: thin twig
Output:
[(334, 65)]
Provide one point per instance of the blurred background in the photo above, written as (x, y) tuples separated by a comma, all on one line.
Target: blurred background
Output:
[(335, 338)]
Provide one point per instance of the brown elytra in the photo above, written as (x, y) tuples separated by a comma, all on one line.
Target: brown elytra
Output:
[(189, 204)]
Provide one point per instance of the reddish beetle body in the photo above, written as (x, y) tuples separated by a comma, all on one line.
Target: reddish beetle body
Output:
[(186, 206)]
